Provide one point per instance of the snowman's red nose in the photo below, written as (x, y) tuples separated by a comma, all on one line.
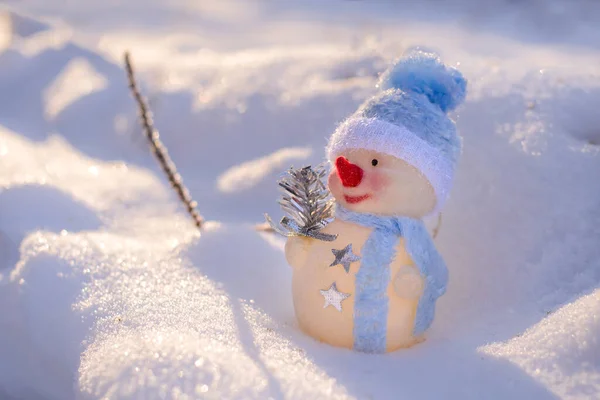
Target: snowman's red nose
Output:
[(350, 174)]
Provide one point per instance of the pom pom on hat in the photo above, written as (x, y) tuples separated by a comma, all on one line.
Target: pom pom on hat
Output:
[(424, 73)]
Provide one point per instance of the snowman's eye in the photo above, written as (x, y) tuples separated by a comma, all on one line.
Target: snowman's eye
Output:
[(374, 162)]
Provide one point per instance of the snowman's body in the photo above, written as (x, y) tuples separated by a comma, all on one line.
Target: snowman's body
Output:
[(311, 260), (392, 164)]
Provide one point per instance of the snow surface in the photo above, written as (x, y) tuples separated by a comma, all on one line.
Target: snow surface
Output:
[(108, 291)]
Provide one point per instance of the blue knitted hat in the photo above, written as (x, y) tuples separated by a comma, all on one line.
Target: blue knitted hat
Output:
[(408, 119)]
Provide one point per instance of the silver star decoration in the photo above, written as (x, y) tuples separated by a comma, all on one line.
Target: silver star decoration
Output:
[(333, 297), (344, 257)]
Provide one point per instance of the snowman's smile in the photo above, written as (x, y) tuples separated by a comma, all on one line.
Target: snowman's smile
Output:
[(356, 199)]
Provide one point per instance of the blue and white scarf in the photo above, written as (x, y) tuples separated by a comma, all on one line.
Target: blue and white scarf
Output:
[(371, 302)]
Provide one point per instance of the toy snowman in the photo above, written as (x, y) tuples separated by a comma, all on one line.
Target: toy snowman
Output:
[(372, 284)]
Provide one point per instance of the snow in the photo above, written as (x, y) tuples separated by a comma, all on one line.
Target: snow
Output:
[(250, 173), (108, 290), (563, 350)]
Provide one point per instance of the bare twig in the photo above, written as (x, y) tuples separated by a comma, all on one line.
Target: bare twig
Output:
[(438, 226), (264, 227), (159, 150)]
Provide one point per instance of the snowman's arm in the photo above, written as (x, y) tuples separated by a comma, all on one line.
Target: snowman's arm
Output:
[(408, 282), (296, 250)]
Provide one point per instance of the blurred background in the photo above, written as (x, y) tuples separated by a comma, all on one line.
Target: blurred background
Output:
[(234, 81)]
